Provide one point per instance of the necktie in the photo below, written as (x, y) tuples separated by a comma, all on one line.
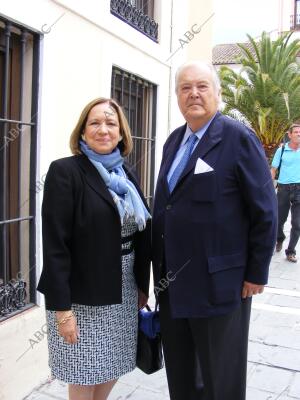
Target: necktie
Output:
[(182, 163)]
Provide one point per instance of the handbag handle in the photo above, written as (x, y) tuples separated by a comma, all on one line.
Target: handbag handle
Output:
[(149, 308)]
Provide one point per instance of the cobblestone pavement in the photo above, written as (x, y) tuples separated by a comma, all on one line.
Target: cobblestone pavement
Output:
[(274, 347)]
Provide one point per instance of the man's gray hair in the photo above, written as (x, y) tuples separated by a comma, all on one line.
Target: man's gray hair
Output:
[(200, 64)]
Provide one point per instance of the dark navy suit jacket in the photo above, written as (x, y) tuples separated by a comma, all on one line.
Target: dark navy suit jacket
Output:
[(217, 228)]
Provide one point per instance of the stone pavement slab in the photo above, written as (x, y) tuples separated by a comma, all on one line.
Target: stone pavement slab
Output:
[(274, 347)]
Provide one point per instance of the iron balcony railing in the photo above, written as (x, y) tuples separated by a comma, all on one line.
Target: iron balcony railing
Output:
[(136, 17)]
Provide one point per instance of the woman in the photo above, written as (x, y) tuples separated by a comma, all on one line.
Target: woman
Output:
[(96, 255)]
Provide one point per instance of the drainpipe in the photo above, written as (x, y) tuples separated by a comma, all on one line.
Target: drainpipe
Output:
[(170, 71)]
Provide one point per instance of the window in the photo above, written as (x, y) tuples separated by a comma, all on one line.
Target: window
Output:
[(19, 48), (138, 100), (295, 18), (137, 13), (297, 13)]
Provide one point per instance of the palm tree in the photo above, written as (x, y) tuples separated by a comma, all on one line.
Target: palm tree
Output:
[(265, 93)]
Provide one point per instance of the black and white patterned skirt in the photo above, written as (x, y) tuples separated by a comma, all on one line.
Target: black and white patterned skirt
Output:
[(106, 348)]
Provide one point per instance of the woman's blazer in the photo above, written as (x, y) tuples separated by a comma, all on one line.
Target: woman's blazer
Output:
[(82, 238)]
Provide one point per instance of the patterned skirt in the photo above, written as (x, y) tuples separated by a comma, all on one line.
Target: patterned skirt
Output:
[(106, 348)]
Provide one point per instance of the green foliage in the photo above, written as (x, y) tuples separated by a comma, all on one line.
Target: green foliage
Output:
[(265, 93)]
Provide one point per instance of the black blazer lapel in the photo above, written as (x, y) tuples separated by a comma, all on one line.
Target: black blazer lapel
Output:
[(209, 140), (95, 180)]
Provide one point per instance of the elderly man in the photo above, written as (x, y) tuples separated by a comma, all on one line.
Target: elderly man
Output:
[(214, 232)]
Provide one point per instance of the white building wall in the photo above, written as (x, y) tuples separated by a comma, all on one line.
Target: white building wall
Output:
[(190, 40), (76, 61)]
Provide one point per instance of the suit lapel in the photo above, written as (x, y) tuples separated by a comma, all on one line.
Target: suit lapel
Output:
[(209, 140), (171, 152), (95, 180)]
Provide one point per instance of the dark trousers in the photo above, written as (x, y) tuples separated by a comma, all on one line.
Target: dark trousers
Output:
[(206, 358), (288, 197)]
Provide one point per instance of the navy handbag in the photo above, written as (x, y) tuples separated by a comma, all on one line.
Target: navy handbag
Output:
[(149, 346)]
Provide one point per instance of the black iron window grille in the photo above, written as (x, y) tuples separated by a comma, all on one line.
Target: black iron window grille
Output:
[(295, 18), (295, 21), (19, 56), (137, 13), (138, 100)]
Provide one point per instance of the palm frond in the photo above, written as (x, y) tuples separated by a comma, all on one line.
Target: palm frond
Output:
[(265, 93)]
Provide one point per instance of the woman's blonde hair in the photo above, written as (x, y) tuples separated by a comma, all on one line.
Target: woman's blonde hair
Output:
[(125, 145)]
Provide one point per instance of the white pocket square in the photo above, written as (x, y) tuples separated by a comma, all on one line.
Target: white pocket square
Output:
[(202, 166)]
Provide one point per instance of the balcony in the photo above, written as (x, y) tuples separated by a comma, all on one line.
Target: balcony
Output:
[(295, 22), (137, 17)]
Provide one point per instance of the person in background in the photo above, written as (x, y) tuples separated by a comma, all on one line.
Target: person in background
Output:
[(96, 250), (214, 232), (288, 192)]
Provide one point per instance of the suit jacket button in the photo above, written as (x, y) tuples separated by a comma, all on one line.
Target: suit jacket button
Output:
[(169, 206)]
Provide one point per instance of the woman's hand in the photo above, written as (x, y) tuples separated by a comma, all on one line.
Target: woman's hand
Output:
[(68, 329), (143, 299)]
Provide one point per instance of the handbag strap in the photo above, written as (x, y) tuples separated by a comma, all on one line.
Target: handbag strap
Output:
[(280, 161)]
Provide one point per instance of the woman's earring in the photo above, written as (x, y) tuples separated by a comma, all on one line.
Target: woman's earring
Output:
[(121, 138)]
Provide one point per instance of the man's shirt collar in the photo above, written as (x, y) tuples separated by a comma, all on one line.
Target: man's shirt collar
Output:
[(199, 133)]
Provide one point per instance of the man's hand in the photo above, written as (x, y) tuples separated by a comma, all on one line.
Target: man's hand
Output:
[(249, 289), (273, 172)]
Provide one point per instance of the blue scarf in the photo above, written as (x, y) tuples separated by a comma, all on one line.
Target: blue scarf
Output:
[(123, 191)]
